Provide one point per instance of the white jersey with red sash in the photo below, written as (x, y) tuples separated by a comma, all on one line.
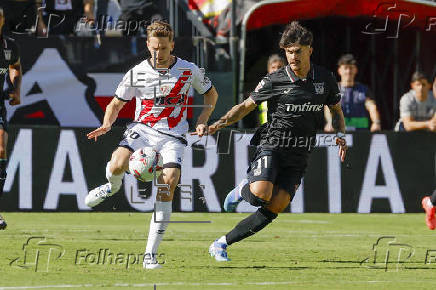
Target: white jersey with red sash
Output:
[(162, 94)]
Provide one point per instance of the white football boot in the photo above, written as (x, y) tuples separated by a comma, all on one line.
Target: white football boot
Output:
[(150, 262), (98, 195)]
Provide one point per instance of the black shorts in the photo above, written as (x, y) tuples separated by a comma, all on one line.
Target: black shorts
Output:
[(281, 167)]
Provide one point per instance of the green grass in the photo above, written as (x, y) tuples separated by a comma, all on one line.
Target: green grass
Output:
[(297, 251)]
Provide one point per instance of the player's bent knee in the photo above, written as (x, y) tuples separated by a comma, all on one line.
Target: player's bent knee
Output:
[(262, 189), (251, 198), (119, 162), (117, 167)]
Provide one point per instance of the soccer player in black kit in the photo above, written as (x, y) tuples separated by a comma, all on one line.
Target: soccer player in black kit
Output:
[(300, 90), (10, 69)]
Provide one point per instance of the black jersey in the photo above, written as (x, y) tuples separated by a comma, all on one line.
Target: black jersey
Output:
[(9, 55), (298, 106)]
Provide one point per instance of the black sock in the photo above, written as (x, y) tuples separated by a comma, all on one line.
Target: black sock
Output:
[(250, 225), (433, 197), (3, 164)]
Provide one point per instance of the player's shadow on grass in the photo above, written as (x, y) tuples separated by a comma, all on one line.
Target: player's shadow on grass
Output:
[(339, 261), (119, 239), (266, 267)]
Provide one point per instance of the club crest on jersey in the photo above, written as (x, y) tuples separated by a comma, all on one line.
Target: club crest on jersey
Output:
[(8, 54), (319, 88), (165, 90)]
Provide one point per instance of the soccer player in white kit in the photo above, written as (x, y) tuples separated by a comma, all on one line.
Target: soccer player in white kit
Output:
[(160, 85)]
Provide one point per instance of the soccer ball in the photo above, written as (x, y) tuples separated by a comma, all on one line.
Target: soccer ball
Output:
[(142, 161)]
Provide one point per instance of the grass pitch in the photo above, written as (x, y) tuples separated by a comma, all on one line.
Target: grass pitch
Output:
[(297, 251)]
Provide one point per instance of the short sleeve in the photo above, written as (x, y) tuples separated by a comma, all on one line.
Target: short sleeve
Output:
[(200, 81), (126, 90), (334, 94), (263, 91), (405, 106)]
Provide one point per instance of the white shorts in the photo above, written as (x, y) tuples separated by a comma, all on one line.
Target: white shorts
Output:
[(170, 147)]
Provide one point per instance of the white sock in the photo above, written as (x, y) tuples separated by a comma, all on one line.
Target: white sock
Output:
[(115, 181), (157, 230), (222, 240)]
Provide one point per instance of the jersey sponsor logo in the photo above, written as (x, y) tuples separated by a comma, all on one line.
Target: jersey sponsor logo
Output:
[(306, 107), (319, 88), (8, 53)]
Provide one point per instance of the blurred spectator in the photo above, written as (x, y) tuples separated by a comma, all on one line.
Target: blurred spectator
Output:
[(61, 17), (138, 14), (100, 16), (20, 15), (275, 62), (357, 99), (108, 12), (418, 106)]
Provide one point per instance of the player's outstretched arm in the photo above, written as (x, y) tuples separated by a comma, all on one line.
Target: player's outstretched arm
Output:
[(110, 116), (338, 123), (234, 115), (210, 99)]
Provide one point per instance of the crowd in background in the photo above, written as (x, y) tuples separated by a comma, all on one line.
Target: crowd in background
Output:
[(417, 106), (80, 17)]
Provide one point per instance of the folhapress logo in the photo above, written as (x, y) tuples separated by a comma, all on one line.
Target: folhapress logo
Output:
[(306, 107), (38, 254), (3, 71)]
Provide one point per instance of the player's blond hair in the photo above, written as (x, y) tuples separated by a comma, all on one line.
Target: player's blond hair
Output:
[(160, 29)]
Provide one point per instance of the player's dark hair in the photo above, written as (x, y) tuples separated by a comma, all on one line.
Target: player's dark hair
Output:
[(295, 33), (418, 75), (347, 59), (160, 29)]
